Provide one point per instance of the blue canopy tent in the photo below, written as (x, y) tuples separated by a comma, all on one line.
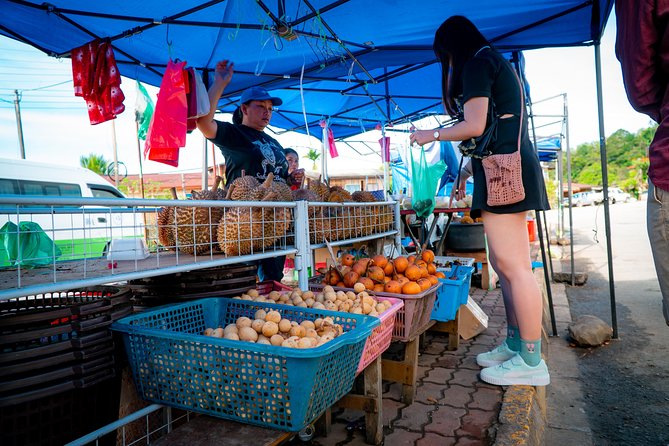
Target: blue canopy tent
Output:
[(358, 62), (355, 62)]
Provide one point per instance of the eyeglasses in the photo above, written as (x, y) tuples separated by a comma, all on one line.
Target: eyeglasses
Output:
[(269, 109)]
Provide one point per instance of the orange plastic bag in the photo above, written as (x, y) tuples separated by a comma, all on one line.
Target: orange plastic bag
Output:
[(167, 131)]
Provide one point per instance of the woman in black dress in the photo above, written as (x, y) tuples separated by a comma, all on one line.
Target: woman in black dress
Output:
[(473, 73)]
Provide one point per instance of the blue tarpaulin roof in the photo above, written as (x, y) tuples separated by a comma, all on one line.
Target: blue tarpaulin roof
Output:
[(355, 62)]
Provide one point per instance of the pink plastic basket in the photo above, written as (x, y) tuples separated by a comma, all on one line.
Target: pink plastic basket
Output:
[(268, 286), (410, 320), (381, 336)]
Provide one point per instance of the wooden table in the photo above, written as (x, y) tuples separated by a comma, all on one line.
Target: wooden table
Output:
[(426, 238), (210, 431), (487, 281), (370, 401)]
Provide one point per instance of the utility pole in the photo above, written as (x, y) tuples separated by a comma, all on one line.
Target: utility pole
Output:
[(19, 126)]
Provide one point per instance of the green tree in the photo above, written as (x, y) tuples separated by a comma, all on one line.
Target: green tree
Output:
[(313, 155), (96, 163), (625, 153)]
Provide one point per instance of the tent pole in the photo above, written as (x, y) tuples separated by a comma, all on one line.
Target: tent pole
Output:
[(324, 150), (205, 167), (569, 194), (605, 186), (385, 161), (141, 169), (113, 125)]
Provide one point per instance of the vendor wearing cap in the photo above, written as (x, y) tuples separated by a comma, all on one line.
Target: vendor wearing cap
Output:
[(245, 145)]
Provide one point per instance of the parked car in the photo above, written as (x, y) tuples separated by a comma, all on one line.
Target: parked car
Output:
[(580, 199), (615, 195)]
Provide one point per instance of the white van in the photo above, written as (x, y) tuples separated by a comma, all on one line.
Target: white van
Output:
[(78, 231)]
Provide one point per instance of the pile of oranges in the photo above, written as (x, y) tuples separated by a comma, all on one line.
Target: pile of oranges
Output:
[(401, 275)]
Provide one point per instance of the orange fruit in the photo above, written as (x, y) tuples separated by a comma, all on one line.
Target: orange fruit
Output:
[(389, 269), (431, 268), (413, 272), (428, 256), (411, 288), (380, 261), (424, 283), (393, 287), (411, 258), (433, 279), (369, 283), (401, 264), (347, 260), (440, 275)]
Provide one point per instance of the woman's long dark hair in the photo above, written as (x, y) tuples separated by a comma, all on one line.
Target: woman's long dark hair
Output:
[(456, 41), (237, 116)]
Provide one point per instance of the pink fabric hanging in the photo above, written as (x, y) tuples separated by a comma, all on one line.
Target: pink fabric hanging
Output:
[(331, 144), (97, 79), (384, 141), (167, 131)]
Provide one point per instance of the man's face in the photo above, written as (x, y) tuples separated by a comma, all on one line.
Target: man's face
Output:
[(293, 162), (257, 114)]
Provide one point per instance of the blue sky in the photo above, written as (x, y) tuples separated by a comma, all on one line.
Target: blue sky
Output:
[(56, 127)]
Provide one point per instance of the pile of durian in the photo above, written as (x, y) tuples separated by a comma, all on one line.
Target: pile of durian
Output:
[(339, 223), (270, 328), (244, 230), (191, 229), (241, 230)]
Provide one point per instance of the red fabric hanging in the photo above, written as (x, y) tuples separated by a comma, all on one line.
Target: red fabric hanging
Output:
[(167, 131), (191, 99), (97, 79)]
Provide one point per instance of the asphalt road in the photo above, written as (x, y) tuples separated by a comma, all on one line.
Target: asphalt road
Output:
[(626, 382)]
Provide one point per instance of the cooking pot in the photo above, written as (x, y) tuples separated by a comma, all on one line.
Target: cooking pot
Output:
[(465, 237)]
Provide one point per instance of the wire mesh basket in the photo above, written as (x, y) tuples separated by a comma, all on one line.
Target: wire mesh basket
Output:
[(278, 387)]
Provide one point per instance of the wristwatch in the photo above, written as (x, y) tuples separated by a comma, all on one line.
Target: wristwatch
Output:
[(436, 135)]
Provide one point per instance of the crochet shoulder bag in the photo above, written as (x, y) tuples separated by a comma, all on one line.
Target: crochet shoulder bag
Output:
[(503, 172)]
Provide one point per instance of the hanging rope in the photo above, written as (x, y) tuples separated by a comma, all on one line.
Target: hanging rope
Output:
[(304, 109)]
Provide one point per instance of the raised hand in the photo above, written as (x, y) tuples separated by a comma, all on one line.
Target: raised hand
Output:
[(224, 71)]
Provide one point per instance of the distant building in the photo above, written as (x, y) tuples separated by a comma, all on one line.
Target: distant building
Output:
[(158, 185)]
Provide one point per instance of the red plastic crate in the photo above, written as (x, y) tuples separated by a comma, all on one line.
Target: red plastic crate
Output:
[(268, 286), (381, 336)]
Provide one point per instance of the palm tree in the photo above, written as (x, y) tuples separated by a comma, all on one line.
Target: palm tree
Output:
[(96, 163), (313, 155)]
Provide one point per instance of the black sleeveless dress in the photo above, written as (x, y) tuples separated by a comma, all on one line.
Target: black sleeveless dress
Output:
[(489, 75)]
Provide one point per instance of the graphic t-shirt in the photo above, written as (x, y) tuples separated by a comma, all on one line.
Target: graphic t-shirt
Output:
[(247, 149)]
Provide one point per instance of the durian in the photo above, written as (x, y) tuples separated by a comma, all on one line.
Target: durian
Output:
[(242, 188), (166, 224), (196, 226), (321, 189), (243, 230)]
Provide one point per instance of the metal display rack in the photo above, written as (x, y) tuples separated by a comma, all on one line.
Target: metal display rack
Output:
[(92, 241)]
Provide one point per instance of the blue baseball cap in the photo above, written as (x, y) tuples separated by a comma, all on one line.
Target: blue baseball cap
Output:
[(259, 94)]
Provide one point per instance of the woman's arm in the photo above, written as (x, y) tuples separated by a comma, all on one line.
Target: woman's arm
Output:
[(473, 125), (222, 77)]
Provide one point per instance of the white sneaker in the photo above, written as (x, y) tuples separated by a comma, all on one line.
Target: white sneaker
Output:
[(496, 356), (516, 372)]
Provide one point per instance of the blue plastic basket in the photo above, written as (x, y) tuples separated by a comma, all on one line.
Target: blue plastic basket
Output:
[(453, 292), (278, 387)]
